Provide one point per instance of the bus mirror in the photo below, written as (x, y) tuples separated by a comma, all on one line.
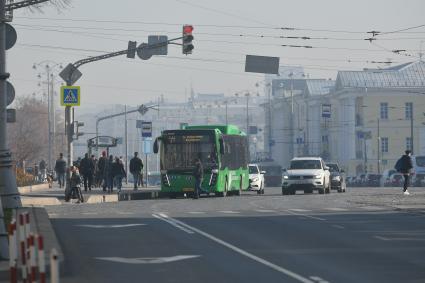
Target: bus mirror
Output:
[(155, 146), (222, 146)]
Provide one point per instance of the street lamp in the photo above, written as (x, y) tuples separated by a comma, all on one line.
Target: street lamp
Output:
[(50, 68)]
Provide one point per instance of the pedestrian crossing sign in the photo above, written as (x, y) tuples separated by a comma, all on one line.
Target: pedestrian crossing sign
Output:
[(70, 96)]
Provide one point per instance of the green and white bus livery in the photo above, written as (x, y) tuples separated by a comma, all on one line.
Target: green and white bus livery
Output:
[(223, 150)]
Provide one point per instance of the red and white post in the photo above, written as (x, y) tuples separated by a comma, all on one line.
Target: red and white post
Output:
[(41, 259), (32, 258), (54, 266), (22, 247), (13, 252)]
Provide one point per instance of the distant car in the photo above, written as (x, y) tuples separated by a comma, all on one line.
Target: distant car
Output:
[(372, 180), (338, 180), (307, 174), (256, 179), (417, 180), (396, 180), (360, 180)]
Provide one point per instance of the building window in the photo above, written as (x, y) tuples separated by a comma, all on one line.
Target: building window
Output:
[(384, 110), (384, 145), (408, 110), (408, 143)]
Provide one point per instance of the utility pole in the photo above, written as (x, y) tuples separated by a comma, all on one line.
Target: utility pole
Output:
[(126, 142), (379, 149), (411, 130)]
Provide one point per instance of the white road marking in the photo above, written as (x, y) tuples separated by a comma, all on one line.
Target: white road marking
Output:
[(196, 212), (372, 207), (338, 226), (229, 211), (318, 279), (265, 210), (336, 209), (125, 213), (110, 226), (299, 210), (398, 239), (306, 216), (148, 260), (165, 218), (244, 253), (89, 213)]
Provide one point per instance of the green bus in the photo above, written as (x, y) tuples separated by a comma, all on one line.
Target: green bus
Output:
[(223, 150)]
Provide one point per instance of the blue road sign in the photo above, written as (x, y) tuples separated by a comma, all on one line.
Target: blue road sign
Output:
[(70, 96)]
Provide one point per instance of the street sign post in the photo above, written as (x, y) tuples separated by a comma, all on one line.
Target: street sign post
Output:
[(70, 96), (159, 44), (146, 129), (11, 115), (10, 93), (262, 64), (70, 74)]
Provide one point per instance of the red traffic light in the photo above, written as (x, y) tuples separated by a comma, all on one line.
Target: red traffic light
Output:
[(187, 29)]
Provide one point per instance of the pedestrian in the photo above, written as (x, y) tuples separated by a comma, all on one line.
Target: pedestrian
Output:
[(43, 170), (404, 166), (101, 170), (75, 184), (93, 177), (87, 169), (60, 169), (108, 177), (198, 174), (36, 173), (136, 168), (118, 172)]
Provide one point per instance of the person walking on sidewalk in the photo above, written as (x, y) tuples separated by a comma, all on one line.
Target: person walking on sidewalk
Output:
[(101, 170), (60, 168), (43, 170), (107, 174), (404, 166), (87, 169), (75, 184), (118, 172), (136, 167), (198, 174)]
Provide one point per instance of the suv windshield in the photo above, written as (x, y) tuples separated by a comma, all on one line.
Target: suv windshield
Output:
[(333, 167), (253, 170), (305, 164)]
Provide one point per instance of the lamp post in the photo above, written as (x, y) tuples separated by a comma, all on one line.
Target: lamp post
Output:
[(50, 67)]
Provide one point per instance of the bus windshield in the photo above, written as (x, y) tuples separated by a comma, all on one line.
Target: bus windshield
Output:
[(182, 149)]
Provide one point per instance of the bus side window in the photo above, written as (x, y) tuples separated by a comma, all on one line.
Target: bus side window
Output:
[(222, 147)]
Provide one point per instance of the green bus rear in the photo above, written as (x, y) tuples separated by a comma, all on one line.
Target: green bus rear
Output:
[(223, 151)]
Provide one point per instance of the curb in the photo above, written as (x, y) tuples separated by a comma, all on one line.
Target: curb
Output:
[(40, 224), (137, 195), (34, 188)]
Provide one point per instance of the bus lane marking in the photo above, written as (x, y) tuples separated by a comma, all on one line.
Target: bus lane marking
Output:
[(240, 251)]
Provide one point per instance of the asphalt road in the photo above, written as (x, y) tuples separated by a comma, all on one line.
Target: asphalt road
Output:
[(364, 235)]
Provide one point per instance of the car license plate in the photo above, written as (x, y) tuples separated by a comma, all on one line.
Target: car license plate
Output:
[(188, 189)]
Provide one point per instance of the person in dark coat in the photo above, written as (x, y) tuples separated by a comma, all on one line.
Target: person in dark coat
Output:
[(101, 170), (107, 174), (60, 168), (136, 167), (404, 166), (198, 174), (87, 170), (118, 172)]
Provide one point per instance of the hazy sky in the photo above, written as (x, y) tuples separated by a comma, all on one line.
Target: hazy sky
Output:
[(225, 31)]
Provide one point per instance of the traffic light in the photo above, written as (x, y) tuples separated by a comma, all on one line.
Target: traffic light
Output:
[(77, 126), (187, 39)]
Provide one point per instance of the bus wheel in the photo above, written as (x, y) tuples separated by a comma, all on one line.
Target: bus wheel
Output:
[(239, 192)]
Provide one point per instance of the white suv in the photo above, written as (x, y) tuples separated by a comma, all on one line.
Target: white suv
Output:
[(307, 174), (256, 179)]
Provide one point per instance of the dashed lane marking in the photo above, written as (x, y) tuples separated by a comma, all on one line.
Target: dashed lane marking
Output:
[(265, 210), (299, 210), (278, 268), (338, 226), (336, 209), (229, 211), (89, 213), (110, 226), (372, 207), (125, 213), (197, 212), (306, 216)]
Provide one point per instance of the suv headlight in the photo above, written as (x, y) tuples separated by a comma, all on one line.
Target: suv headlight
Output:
[(318, 176), (336, 178), (255, 179), (285, 177)]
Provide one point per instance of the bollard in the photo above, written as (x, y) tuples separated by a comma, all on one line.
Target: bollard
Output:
[(22, 247), (13, 252), (54, 266), (32, 258), (104, 198), (41, 259)]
